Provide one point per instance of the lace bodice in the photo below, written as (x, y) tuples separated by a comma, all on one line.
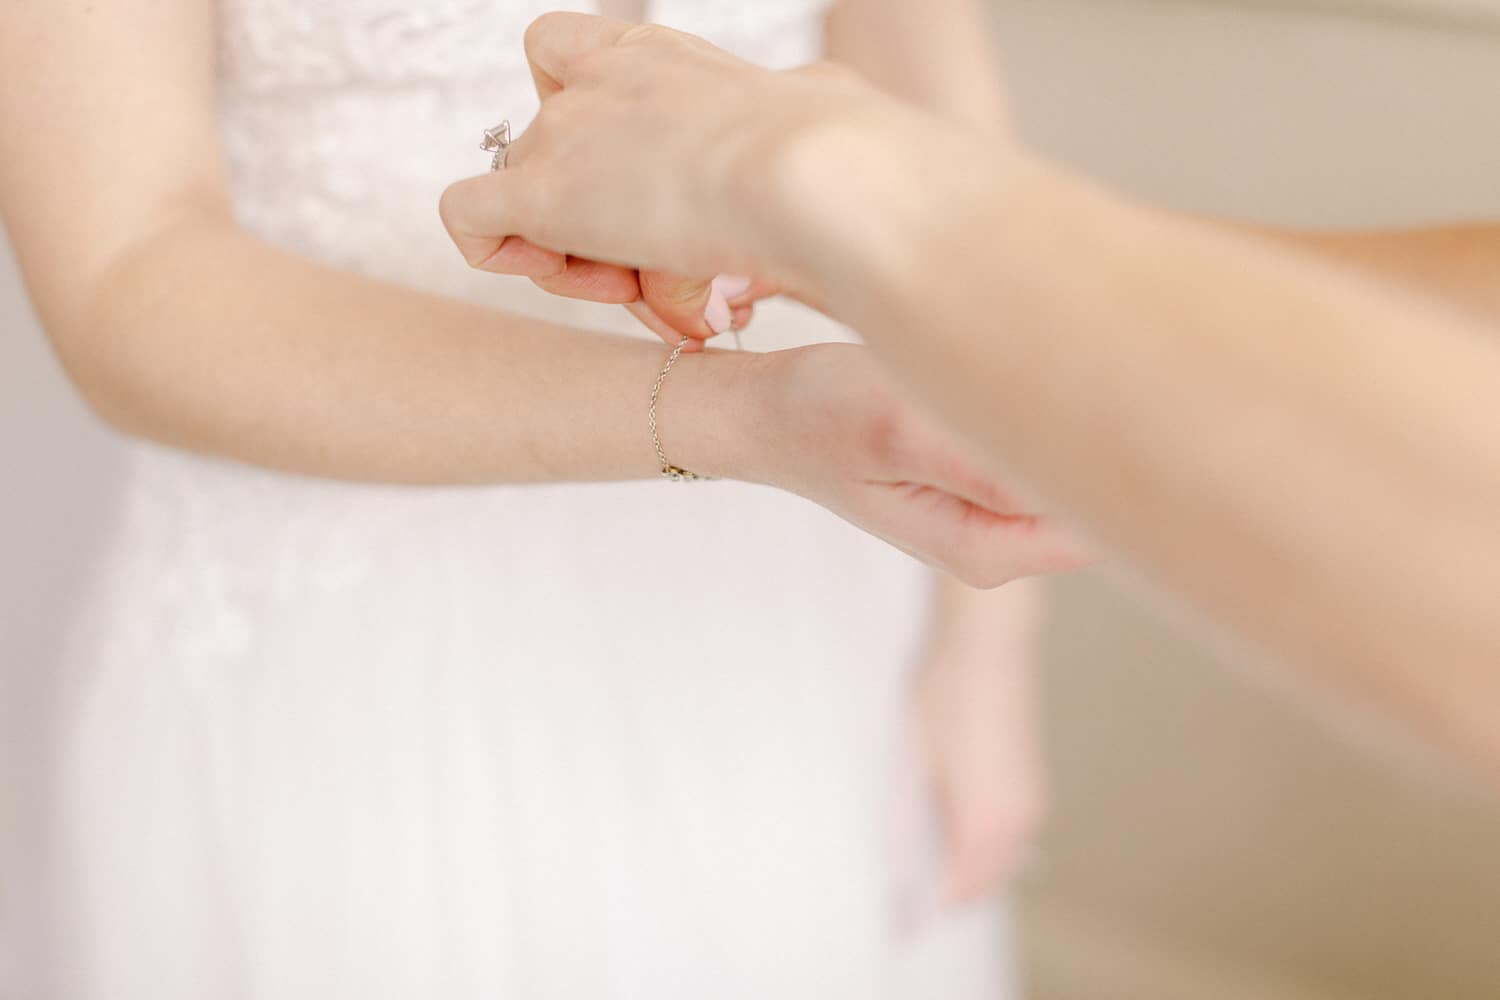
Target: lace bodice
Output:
[(278, 48), (295, 46), (343, 119)]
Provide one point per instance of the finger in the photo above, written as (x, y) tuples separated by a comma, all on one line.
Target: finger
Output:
[(760, 288), (643, 312), (734, 288), (518, 256), (978, 546), (982, 848), (741, 293), (742, 305), (959, 880), (555, 41), (478, 214), (998, 548), (691, 306), (943, 462), (990, 816), (593, 281), (919, 520)]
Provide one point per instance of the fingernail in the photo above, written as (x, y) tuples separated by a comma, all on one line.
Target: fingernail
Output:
[(732, 285), (717, 315)]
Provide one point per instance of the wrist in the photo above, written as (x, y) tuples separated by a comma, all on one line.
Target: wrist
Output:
[(866, 203), (714, 415), (825, 197), (782, 179)]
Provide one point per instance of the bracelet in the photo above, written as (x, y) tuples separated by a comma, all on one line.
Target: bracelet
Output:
[(675, 473)]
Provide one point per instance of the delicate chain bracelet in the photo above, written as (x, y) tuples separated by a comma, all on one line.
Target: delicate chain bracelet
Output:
[(675, 473)]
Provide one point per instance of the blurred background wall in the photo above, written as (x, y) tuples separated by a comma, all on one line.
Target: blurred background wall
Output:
[(1209, 840)]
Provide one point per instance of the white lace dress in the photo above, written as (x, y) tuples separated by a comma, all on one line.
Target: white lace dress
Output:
[(328, 741)]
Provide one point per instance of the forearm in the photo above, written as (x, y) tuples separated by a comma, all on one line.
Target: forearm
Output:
[(1306, 456), (209, 340), (937, 55), (1458, 265), (945, 64)]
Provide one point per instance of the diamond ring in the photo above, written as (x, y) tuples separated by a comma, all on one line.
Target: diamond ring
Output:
[(497, 140)]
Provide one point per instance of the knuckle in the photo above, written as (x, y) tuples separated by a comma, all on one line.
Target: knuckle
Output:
[(540, 28)]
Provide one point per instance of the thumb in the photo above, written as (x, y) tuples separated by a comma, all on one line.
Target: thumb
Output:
[(693, 307)]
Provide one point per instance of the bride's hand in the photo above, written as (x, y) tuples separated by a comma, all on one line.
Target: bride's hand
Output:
[(974, 714), (646, 149), (837, 432)]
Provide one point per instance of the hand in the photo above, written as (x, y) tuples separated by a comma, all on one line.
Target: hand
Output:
[(838, 433), (645, 140), (973, 712), (672, 306)]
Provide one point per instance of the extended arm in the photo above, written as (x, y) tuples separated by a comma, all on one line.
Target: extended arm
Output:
[(178, 326), (1457, 265), (1310, 454)]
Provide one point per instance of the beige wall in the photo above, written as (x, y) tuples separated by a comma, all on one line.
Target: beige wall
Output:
[(1209, 841), (1460, 13)]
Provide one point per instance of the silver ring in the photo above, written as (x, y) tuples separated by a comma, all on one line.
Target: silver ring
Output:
[(497, 140)]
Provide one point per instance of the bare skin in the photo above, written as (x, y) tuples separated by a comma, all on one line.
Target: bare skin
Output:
[(1295, 435), (178, 326), (974, 707)]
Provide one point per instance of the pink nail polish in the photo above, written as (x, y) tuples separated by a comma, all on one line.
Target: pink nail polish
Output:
[(732, 285), (717, 315)]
